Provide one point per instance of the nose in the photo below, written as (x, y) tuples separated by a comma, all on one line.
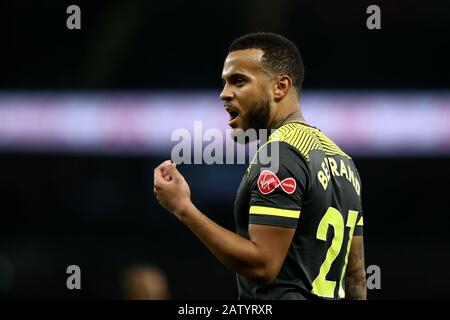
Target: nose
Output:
[(226, 94)]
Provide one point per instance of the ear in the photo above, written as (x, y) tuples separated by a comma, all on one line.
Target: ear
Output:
[(282, 86)]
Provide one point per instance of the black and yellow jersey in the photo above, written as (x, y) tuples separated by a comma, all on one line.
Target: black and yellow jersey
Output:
[(317, 191)]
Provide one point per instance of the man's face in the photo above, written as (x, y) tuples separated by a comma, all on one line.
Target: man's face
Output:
[(246, 92)]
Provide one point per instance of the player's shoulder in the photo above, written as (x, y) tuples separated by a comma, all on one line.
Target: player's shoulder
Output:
[(305, 139), (277, 154)]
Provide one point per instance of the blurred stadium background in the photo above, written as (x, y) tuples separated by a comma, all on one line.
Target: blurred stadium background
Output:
[(86, 115)]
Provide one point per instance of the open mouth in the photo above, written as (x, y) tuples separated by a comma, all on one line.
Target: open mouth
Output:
[(233, 114)]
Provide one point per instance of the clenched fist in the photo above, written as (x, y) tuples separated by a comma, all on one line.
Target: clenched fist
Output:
[(170, 188)]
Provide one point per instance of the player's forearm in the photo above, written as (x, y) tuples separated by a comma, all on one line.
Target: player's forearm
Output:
[(355, 285), (237, 253), (355, 276)]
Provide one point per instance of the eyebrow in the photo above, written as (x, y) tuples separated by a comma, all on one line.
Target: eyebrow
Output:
[(235, 75)]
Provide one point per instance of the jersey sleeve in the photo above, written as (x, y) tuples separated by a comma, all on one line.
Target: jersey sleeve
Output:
[(359, 225), (277, 195)]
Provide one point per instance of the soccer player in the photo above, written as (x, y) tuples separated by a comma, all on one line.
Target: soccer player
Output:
[(299, 229)]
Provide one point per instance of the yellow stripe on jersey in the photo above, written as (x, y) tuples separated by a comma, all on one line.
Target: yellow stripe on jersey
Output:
[(306, 139), (275, 212), (360, 222)]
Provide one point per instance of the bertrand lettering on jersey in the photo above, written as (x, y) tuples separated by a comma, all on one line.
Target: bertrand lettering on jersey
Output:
[(337, 169), (268, 182)]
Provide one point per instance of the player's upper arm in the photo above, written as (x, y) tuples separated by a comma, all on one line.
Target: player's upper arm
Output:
[(273, 244), (277, 193), (275, 206)]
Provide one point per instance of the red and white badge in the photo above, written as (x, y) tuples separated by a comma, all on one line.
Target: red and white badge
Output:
[(268, 182)]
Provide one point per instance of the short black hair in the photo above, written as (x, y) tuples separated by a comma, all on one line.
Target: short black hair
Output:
[(281, 56)]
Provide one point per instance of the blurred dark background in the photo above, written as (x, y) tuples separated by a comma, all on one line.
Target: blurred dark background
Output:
[(182, 44), (98, 211)]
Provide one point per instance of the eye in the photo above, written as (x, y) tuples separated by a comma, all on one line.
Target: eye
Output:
[(239, 82)]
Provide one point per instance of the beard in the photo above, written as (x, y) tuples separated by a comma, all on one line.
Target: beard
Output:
[(256, 118), (258, 115)]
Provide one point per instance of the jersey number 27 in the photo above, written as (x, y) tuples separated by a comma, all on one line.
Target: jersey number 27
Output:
[(321, 286)]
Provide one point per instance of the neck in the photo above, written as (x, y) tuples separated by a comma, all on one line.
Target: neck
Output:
[(288, 116)]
